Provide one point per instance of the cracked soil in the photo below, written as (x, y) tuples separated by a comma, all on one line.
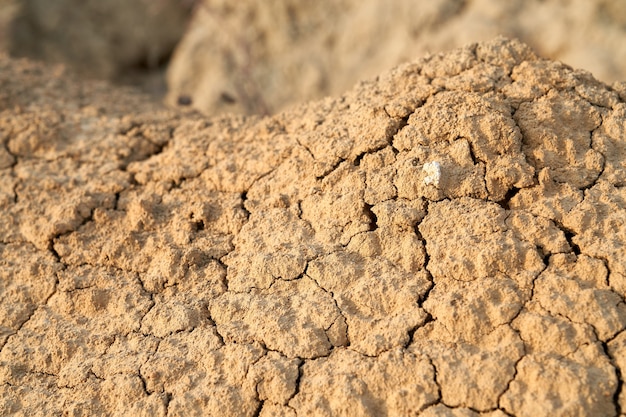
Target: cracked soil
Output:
[(447, 239)]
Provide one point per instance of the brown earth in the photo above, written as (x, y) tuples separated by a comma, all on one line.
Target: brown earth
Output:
[(447, 239)]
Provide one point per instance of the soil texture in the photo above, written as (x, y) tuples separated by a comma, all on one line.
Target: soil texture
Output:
[(446, 239)]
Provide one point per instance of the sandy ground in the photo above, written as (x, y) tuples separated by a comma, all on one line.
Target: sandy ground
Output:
[(446, 239)]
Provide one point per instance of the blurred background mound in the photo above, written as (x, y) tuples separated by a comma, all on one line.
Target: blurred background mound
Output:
[(120, 40), (258, 57)]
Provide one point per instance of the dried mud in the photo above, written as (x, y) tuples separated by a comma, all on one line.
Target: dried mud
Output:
[(447, 239)]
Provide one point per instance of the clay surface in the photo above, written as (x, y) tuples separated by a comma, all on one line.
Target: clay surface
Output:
[(447, 239)]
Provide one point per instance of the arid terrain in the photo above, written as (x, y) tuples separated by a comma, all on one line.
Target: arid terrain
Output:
[(444, 238)]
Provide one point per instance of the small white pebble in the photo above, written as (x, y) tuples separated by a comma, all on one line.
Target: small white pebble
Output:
[(433, 173)]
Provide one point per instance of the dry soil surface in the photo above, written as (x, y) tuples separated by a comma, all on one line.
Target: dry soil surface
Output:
[(447, 239)]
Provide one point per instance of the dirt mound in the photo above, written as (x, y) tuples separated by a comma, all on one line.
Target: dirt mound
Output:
[(261, 57), (447, 239)]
